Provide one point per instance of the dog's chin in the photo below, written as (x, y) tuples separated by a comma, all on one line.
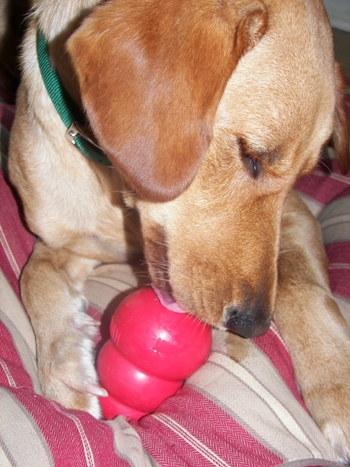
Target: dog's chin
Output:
[(167, 300)]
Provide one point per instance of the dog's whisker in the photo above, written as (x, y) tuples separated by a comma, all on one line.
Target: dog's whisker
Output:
[(285, 251), (325, 166)]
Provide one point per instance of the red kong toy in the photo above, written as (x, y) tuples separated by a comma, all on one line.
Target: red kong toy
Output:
[(151, 352)]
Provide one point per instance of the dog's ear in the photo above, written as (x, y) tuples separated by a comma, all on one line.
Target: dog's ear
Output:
[(340, 140), (151, 76)]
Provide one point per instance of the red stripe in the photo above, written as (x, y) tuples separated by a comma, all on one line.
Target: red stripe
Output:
[(275, 350), (60, 431), (322, 185), (12, 373), (210, 425), (62, 434), (16, 242)]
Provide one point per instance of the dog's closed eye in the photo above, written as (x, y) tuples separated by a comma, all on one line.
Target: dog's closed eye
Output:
[(253, 165), (254, 159), (251, 159)]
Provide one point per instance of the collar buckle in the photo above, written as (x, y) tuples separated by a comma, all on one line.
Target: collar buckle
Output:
[(72, 133)]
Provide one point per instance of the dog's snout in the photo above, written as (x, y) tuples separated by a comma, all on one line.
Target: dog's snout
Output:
[(247, 323)]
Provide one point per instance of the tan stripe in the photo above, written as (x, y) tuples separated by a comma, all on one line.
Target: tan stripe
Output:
[(259, 399), (13, 309), (108, 282), (335, 221), (20, 435), (344, 307), (275, 406), (99, 295), (122, 274), (310, 463), (336, 234), (314, 206)]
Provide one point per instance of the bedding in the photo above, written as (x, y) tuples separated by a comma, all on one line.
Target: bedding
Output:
[(241, 408)]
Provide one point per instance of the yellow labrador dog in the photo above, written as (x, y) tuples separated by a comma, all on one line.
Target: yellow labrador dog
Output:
[(207, 112)]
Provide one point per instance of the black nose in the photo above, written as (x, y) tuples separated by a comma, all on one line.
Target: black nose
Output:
[(247, 323)]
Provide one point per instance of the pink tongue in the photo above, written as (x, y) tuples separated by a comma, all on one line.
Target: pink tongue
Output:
[(167, 301)]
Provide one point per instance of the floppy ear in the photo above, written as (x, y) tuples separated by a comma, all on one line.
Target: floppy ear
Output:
[(340, 140), (151, 76)]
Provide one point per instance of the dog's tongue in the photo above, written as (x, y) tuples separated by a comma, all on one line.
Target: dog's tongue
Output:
[(167, 301)]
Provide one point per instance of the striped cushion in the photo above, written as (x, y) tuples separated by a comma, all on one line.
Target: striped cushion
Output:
[(241, 408)]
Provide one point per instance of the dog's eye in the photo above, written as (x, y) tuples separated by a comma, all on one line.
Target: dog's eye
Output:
[(253, 165), (250, 158)]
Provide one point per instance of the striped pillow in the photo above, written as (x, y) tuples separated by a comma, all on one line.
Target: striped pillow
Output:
[(241, 408)]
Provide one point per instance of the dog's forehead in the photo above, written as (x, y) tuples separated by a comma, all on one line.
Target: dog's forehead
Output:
[(283, 88)]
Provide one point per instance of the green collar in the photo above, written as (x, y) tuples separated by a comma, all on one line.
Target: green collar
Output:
[(66, 109)]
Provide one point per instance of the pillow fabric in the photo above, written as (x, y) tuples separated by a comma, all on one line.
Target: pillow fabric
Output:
[(241, 408)]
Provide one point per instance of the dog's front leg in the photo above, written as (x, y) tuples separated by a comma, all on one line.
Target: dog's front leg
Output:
[(310, 322), (52, 291)]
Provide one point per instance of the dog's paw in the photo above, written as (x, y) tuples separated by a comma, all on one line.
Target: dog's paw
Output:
[(338, 434), (330, 408), (66, 366)]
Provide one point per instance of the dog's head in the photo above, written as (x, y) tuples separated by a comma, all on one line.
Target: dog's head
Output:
[(211, 110)]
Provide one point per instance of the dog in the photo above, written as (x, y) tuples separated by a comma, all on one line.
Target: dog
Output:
[(206, 113)]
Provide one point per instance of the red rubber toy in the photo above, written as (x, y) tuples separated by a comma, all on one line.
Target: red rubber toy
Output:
[(151, 352)]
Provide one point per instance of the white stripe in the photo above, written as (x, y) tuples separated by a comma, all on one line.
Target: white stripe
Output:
[(276, 332), (89, 457), (334, 176), (10, 380), (191, 440), (8, 252), (338, 266)]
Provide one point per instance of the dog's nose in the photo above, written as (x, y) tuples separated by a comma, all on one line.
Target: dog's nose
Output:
[(247, 323)]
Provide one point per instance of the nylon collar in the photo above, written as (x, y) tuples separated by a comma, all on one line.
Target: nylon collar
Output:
[(65, 108)]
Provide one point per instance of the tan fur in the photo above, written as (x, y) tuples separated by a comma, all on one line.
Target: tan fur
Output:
[(210, 113)]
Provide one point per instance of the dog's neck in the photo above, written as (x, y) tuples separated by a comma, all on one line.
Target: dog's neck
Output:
[(66, 107)]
